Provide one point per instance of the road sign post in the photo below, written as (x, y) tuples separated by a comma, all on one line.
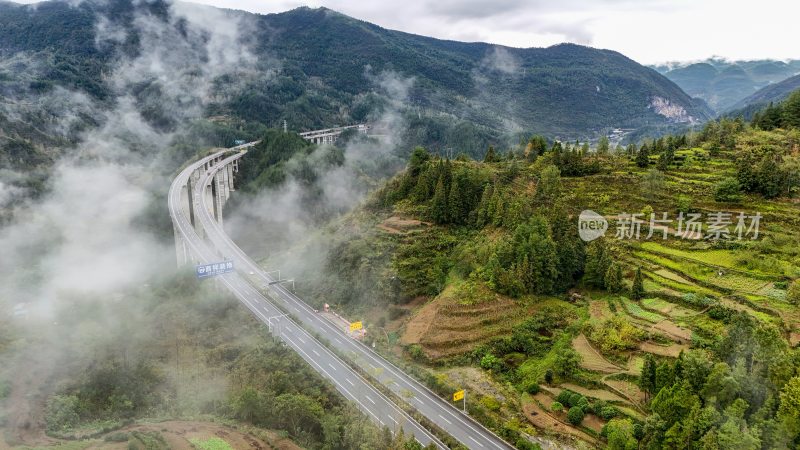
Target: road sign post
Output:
[(461, 395)]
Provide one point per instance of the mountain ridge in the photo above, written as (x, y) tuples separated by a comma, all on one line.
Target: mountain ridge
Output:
[(335, 69), (724, 84)]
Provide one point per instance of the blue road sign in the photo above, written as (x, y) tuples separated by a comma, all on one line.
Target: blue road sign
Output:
[(213, 269)]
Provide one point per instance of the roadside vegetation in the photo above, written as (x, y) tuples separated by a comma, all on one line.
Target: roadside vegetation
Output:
[(174, 350)]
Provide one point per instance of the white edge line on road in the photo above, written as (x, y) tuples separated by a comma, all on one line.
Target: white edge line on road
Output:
[(181, 220)]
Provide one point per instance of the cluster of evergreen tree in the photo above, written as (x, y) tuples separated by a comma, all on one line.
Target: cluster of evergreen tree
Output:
[(664, 147), (767, 170), (574, 161), (452, 192), (721, 134), (782, 115), (748, 400), (542, 256)]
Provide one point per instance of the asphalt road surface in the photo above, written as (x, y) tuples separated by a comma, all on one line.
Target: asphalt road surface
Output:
[(346, 380), (252, 280)]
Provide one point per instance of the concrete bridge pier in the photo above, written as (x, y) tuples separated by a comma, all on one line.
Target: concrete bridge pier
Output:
[(216, 195)]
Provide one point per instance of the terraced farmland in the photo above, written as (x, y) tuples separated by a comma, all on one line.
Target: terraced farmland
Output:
[(637, 311)]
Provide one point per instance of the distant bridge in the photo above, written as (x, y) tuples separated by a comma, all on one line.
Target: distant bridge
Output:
[(329, 135)]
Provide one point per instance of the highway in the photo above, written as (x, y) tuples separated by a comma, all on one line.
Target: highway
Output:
[(346, 380), (439, 411)]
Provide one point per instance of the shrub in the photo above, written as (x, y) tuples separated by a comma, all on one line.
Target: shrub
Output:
[(532, 388), (548, 376), (721, 313), (490, 403), (609, 412), (684, 204), (574, 399), (62, 413), (566, 362), (415, 350), (491, 362), (728, 191), (575, 415), (556, 407), (563, 397), (793, 294)]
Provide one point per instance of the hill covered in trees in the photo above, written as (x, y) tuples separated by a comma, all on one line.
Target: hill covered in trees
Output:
[(774, 93), (316, 68), (472, 274)]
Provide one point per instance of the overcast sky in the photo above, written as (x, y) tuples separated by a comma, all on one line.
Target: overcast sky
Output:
[(648, 31)]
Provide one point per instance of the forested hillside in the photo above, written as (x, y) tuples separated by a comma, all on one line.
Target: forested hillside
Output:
[(316, 68), (472, 273)]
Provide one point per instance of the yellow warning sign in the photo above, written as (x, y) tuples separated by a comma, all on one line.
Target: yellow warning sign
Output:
[(355, 326), (458, 395)]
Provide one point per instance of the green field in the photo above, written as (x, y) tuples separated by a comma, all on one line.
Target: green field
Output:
[(214, 443)]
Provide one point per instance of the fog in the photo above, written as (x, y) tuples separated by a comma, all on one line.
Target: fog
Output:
[(279, 227), (83, 240), (77, 255)]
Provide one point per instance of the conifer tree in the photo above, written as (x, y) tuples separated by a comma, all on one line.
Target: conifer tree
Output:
[(602, 146), (597, 263), (613, 278), (490, 155), (455, 202), (643, 156), (637, 291), (438, 210), (483, 217), (647, 380)]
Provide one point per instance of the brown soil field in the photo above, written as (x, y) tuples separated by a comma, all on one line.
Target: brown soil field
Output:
[(444, 327), (598, 309), (631, 391), (400, 225), (591, 359), (679, 334), (593, 422)]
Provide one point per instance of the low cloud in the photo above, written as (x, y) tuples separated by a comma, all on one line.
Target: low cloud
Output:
[(83, 239)]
